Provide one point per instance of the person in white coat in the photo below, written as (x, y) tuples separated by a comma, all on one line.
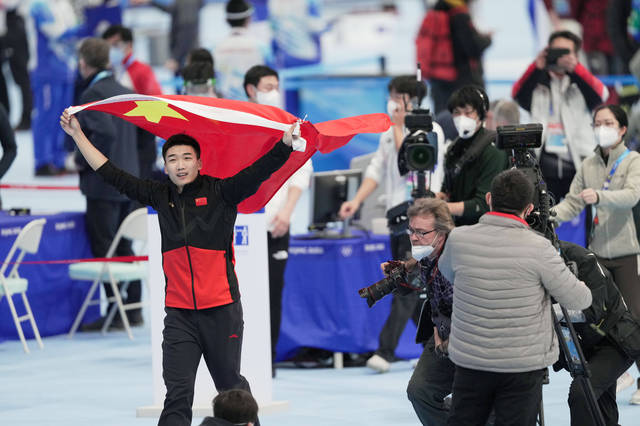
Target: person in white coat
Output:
[(383, 169), (261, 85), (238, 52)]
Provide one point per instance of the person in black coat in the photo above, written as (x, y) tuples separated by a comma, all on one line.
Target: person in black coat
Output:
[(609, 336), (115, 138), (468, 48), (8, 142), (14, 49)]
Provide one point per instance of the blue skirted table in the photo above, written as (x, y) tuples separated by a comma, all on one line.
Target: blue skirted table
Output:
[(55, 299), (321, 307)]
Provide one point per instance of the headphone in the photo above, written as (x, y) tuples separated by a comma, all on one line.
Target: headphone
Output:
[(484, 98)]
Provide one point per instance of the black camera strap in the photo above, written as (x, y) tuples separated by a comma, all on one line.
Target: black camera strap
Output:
[(397, 219), (471, 153)]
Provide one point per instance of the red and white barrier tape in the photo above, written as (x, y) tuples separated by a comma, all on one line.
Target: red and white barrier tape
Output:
[(39, 187), (94, 259)]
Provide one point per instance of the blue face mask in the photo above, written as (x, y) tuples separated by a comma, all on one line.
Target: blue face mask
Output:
[(116, 56)]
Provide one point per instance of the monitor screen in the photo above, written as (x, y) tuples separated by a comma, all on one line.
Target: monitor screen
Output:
[(330, 189)]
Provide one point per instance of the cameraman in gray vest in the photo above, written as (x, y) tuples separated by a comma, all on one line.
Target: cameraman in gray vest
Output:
[(502, 337)]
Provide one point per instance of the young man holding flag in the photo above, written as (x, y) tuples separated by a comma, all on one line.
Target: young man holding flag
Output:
[(196, 214)]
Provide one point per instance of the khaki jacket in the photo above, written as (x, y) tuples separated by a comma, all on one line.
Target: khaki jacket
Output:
[(615, 234)]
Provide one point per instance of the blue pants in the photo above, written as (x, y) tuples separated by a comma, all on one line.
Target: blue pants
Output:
[(50, 97)]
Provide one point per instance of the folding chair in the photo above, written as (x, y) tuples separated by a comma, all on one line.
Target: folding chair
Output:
[(28, 241), (133, 227)]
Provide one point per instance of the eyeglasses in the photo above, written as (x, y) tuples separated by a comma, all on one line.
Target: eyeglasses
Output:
[(421, 234)]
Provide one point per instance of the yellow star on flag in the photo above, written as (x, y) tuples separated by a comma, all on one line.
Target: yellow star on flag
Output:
[(153, 111)]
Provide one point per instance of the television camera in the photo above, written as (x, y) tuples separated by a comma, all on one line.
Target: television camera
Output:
[(520, 140)]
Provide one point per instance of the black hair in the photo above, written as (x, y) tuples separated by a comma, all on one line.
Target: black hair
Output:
[(236, 406), (237, 22), (470, 95), (256, 73), (577, 42), (200, 54), (180, 139), (511, 192), (618, 113), (125, 33), (238, 7), (409, 85), (198, 72)]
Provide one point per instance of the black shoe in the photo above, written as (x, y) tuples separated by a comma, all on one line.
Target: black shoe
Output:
[(116, 324), (93, 326), (24, 125), (97, 325), (135, 318), (48, 170)]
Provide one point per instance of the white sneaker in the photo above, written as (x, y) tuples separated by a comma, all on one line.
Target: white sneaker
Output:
[(624, 382), (379, 364), (635, 398)]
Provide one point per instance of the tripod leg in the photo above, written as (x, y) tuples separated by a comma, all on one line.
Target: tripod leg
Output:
[(540, 420), (591, 400)]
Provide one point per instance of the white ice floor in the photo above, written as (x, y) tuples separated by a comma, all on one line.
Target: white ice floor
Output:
[(100, 380)]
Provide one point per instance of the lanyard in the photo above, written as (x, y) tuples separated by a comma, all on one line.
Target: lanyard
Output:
[(606, 183), (128, 62), (102, 74), (605, 186)]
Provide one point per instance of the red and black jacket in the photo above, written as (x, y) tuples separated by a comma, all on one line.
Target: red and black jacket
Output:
[(197, 227), (590, 86)]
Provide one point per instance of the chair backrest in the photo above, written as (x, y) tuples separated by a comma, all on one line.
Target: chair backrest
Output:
[(28, 241), (133, 227)]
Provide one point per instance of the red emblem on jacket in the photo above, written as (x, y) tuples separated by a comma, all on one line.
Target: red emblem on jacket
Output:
[(202, 201)]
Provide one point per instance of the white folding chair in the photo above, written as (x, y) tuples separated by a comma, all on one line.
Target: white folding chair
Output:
[(133, 227), (28, 241)]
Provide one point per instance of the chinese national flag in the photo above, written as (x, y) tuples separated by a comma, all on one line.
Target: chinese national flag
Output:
[(233, 134)]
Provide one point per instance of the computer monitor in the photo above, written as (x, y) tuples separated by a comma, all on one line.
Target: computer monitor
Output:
[(329, 190)]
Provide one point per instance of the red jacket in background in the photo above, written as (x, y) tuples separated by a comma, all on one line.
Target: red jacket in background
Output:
[(143, 80)]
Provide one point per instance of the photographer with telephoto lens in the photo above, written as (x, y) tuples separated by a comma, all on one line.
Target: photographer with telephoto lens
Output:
[(429, 225)]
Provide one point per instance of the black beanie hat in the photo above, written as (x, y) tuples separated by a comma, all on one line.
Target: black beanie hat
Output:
[(238, 9)]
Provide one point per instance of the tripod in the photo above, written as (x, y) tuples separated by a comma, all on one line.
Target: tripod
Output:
[(576, 364)]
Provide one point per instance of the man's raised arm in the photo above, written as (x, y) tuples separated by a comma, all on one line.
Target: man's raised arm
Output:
[(127, 184), (90, 153)]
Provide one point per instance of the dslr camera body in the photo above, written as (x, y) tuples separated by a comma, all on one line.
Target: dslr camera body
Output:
[(397, 279)]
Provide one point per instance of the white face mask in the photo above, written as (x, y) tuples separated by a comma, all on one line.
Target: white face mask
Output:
[(465, 126), (606, 136), (271, 97), (420, 252), (392, 106)]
